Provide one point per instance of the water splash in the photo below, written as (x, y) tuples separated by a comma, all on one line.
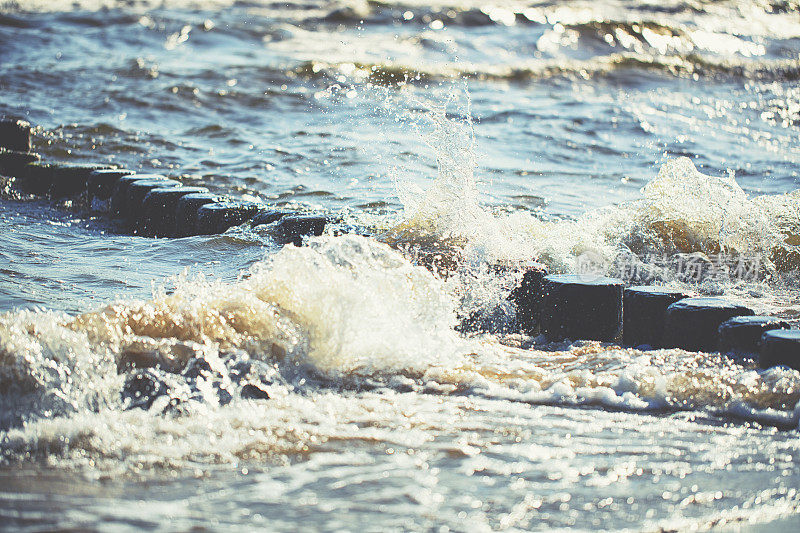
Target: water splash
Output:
[(681, 211)]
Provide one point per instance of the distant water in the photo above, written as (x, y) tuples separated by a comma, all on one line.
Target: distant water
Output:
[(642, 137)]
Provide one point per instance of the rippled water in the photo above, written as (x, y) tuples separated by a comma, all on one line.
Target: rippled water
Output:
[(459, 134)]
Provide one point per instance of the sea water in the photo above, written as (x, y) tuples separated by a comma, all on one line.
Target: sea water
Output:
[(452, 142)]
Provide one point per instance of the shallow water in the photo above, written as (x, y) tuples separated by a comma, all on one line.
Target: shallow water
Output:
[(640, 136)]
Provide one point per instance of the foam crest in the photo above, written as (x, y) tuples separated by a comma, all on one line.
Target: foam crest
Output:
[(364, 307), (47, 368), (346, 305), (681, 211), (215, 313), (690, 212)]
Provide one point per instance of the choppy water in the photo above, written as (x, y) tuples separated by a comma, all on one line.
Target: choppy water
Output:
[(640, 135)]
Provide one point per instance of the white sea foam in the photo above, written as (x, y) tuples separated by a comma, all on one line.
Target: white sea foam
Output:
[(345, 308), (364, 307), (681, 210)]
